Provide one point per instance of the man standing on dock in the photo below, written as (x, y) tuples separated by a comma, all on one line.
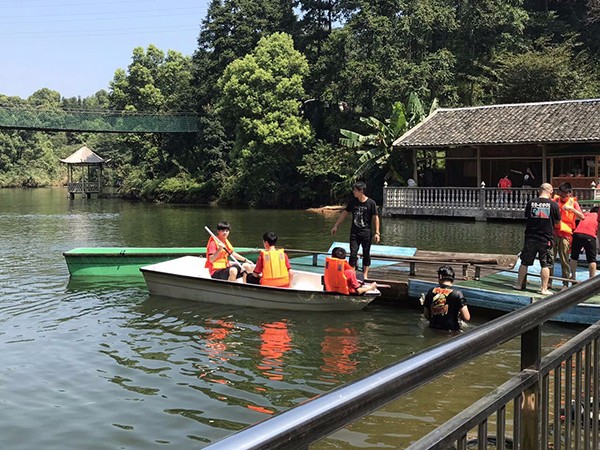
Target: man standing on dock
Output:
[(542, 214), (363, 210)]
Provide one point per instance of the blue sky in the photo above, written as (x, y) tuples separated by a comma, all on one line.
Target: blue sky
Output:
[(75, 46)]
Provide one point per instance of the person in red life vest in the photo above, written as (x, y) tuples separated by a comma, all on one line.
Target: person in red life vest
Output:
[(341, 277), (570, 211), (584, 237), (504, 184), (444, 306), (273, 266), (218, 252)]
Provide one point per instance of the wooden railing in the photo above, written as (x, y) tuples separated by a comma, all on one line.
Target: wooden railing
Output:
[(480, 203), (84, 187)]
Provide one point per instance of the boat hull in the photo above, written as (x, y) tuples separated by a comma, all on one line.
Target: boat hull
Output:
[(126, 261), (185, 278)]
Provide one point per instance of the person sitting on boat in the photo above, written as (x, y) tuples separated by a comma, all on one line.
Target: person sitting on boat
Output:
[(218, 254), (444, 306), (273, 266), (584, 238), (341, 277)]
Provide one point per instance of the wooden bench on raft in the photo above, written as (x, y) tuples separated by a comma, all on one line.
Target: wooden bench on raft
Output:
[(469, 263)]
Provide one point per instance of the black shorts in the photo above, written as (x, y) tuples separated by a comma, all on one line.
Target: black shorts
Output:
[(587, 242), (531, 249), (223, 274)]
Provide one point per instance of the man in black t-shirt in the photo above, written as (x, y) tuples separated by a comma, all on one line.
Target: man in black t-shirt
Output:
[(542, 214), (444, 306), (363, 210)]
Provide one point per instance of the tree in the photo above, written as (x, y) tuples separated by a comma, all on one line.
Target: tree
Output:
[(261, 93), (231, 29), (486, 28), (550, 73), (45, 98), (153, 83), (376, 150)]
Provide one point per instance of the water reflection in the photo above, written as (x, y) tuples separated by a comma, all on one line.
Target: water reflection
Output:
[(275, 343), (212, 340), (338, 347), (454, 235)]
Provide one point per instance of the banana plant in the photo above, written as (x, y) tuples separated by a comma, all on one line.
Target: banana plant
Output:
[(374, 150)]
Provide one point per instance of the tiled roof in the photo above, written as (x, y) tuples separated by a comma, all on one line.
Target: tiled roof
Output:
[(548, 122), (83, 156)]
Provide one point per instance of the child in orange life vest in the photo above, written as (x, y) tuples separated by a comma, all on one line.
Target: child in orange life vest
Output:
[(570, 211), (343, 281), (584, 237), (217, 257), (273, 265)]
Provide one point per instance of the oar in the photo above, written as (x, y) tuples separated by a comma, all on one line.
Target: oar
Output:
[(224, 247)]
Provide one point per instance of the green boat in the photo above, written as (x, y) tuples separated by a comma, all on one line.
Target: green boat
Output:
[(126, 261)]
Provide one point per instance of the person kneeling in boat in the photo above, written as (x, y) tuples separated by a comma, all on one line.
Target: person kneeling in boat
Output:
[(273, 266), (341, 277), (218, 252), (445, 306)]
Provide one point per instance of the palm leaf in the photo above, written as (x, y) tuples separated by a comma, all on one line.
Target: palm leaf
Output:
[(397, 120), (352, 139)]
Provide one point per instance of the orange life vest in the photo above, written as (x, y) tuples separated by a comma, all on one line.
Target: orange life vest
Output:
[(567, 218), (335, 278), (221, 262), (275, 272)]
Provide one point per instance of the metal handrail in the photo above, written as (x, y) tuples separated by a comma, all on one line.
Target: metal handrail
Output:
[(473, 415), (323, 415)]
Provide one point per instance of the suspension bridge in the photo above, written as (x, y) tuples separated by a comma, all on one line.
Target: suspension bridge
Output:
[(105, 121)]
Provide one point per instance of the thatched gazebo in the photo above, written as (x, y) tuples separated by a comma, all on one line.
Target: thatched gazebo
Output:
[(84, 172)]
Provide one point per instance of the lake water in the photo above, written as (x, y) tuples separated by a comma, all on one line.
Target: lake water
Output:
[(99, 364)]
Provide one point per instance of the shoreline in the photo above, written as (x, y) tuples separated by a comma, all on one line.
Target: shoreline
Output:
[(327, 209)]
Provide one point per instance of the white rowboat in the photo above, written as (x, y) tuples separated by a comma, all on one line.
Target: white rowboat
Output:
[(186, 278)]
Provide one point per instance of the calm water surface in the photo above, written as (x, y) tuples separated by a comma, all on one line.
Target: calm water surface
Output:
[(99, 364)]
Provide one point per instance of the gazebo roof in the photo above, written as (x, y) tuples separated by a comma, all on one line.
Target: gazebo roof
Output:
[(84, 156), (572, 121)]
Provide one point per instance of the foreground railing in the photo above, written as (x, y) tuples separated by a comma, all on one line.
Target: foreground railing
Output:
[(480, 202), (541, 382)]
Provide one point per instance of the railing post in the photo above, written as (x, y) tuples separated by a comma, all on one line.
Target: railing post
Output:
[(531, 355), (481, 202), (385, 200)]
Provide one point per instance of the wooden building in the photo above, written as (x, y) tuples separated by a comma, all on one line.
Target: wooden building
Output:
[(464, 150), (84, 172)]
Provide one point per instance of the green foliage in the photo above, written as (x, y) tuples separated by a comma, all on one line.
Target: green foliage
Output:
[(261, 93), (231, 30), (551, 73), (328, 171), (375, 150)]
